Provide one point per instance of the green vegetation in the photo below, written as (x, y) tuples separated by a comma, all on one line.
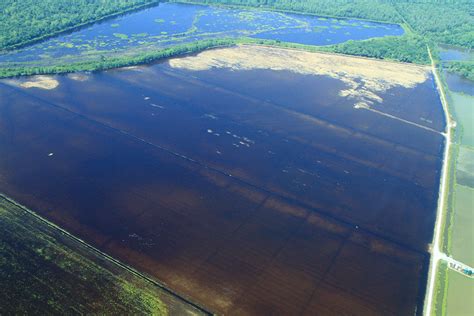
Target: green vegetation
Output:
[(453, 288), (390, 48), (427, 22), (464, 112), (408, 48), (449, 22), (448, 209), (461, 216), (115, 62), (440, 21), (417, 19), (107, 62), (465, 171), (462, 233), (121, 36), (463, 68), (43, 271), (25, 21), (441, 288), (459, 295)]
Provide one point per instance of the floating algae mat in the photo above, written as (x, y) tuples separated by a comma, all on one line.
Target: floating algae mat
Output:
[(247, 187)]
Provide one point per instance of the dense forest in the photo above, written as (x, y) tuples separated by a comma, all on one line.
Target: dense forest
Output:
[(27, 20), (448, 22), (400, 48)]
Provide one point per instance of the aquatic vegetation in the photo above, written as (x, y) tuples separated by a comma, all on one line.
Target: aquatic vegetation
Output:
[(121, 36), (194, 23), (67, 45), (26, 21), (99, 61)]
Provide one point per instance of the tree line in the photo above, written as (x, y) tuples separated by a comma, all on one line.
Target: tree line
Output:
[(27, 20), (463, 68), (427, 22), (442, 21)]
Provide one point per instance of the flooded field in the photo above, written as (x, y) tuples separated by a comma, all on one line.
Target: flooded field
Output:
[(44, 271), (169, 24), (289, 182), (458, 233)]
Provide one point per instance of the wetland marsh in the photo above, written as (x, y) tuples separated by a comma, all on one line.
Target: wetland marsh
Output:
[(171, 24), (288, 182)]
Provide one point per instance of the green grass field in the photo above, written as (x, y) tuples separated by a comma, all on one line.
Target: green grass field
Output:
[(462, 238), (465, 167), (464, 113), (460, 300)]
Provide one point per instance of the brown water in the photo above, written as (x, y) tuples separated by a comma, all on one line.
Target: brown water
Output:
[(250, 192)]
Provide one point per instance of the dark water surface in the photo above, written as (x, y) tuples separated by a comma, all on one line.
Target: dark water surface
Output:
[(251, 192), (459, 84)]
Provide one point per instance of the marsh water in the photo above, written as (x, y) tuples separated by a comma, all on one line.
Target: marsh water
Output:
[(452, 53), (169, 24), (457, 83), (250, 191)]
